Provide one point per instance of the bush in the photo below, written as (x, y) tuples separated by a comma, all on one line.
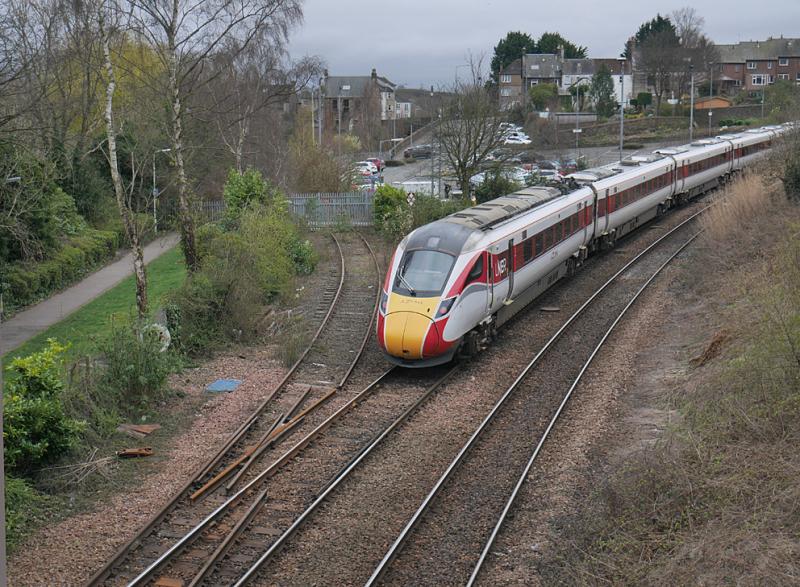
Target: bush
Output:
[(388, 204), (394, 163), (136, 366), (241, 271), (28, 282), (24, 506), (37, 430), (428, 209), (243, 190), (494, 185)]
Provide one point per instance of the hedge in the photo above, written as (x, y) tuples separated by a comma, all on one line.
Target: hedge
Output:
[(26, 283)]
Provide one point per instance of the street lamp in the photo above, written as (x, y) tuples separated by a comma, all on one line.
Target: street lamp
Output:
[(156, 193), (621, 104), (691, 102), (710, 114)]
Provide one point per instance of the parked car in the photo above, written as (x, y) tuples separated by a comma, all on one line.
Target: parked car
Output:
[(418, 152), (365, 168), (517, 140), (377, 162)]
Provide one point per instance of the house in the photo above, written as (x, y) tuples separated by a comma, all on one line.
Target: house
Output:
[(752, 65), (711, 103), (551, 68), (350, 102), (509, 89)]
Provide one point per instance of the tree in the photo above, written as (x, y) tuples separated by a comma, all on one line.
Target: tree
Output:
[(123, 198), (469, 129), (782, 101), (552, 42), (659, 24), (661, 57), (512, 47), (542, 96), (602, 92), (186, 34)]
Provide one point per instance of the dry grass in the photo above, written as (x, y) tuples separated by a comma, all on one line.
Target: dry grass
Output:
[(717, 502)]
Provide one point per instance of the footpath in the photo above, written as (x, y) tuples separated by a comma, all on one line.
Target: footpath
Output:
[(35, 319)]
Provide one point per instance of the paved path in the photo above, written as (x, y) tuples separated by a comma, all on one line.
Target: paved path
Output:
[(35, 319)]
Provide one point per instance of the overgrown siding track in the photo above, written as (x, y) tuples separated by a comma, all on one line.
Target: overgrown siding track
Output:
[(308, 394)]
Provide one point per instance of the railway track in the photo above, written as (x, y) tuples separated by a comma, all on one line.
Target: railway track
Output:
[(307, 395), (449, 536)]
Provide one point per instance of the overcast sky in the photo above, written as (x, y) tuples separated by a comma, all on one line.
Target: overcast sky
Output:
[(421, 42)]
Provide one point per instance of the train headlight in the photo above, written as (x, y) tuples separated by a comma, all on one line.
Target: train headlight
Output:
[(384, 302), (444, 307)]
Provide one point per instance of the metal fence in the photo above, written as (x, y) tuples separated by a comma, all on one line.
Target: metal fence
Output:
[(332, 209)]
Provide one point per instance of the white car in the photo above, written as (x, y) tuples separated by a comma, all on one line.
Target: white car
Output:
[(366, 168), (517, 140)]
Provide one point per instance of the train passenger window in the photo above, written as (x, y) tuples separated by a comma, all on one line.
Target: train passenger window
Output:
[(476, 272), (539, 244), (527, 250), (557, 234)]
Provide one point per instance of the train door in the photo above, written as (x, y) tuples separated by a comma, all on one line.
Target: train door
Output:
[(510, 266), (489, 279)]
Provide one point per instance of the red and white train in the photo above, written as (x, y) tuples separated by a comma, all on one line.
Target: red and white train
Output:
[(453, 282)]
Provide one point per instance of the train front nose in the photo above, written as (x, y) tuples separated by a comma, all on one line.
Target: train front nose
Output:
[(410, 335)]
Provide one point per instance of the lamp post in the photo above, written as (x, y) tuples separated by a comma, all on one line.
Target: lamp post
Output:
[(621, 105), (156, 193), (710, 114), (763, 91), (691, 102)]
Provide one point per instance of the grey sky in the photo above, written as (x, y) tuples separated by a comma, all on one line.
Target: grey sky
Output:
[(421, 42)]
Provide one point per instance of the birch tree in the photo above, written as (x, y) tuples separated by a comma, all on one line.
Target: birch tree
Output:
[(187, 34), (122, 198)]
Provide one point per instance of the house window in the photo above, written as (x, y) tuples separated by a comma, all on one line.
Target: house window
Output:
[(758, 79), (505, 79), (783, 61), (737, 68), (346, 88), (751, 65), (737, 82), (783, 76), (505, 92), (771, 79), (769, 64)]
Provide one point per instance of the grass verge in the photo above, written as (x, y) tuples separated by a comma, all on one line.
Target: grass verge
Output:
[(82, 328)]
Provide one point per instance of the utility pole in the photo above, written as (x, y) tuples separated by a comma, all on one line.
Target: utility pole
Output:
[(763, 91), (433, 136), (313, 133), (691, 102), (621, 105), (522, 82)]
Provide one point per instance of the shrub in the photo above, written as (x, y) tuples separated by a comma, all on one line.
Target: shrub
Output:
[(24, 506), (494, 185), (394, 162), (388, 203), (37, 430), (428, 209), (28, 282), (136, 368), (243, 190)]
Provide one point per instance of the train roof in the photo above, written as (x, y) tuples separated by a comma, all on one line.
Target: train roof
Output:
[(485, 216)]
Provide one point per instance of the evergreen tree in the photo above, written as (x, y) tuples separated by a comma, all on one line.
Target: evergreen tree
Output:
[(602, 92), (509, 49), (550, 43)]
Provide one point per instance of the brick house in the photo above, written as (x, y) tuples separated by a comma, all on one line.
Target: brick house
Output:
[(509, 89), (752, 65)]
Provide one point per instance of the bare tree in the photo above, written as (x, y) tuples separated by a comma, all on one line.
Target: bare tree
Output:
[(245, 83), (186, 34), (661, 58), (122, 197), (469, 128), (695, 48)]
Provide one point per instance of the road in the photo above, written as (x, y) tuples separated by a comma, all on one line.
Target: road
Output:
[(595, 156)]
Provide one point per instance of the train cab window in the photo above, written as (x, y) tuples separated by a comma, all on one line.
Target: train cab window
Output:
[(539, 243), (476, 272), (423, 273)]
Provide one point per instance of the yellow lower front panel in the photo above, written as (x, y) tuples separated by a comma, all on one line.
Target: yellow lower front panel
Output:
[(406, 324)]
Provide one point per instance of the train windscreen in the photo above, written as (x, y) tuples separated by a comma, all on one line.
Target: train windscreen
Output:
[(423, 273)]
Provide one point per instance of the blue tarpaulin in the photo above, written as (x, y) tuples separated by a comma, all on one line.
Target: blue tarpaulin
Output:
[(224, 385)]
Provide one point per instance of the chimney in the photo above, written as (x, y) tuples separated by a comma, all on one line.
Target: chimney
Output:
[(561, 52), (374, 73)]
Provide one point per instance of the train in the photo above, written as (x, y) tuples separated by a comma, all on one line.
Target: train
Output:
[(452, 283)]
